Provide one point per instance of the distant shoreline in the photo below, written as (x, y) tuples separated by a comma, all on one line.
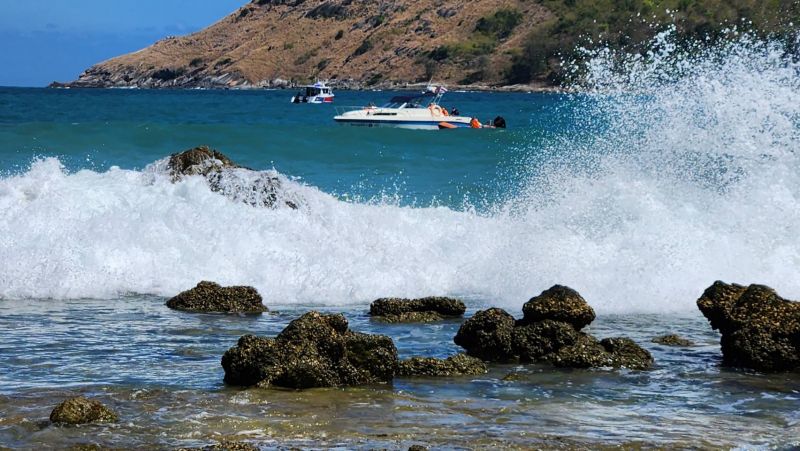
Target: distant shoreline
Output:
[(343, 86)]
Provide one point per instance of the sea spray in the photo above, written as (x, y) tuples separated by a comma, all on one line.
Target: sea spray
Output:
[(679, 168)]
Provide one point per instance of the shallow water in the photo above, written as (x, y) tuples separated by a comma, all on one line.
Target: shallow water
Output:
[(160, 370)]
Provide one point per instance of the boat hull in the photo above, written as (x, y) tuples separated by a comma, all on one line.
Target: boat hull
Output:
[(432, 124)]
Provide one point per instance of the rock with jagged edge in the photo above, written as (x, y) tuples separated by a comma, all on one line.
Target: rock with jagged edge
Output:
[(210, 297), (760, 329)]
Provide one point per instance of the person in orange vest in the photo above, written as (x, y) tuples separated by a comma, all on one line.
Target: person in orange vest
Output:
[(475, 123)]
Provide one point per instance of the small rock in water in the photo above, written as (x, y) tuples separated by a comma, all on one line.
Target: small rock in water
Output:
[(256, 188), (429, 309), (457, 365), (512, 376), (80, 410), (548, 332), (315, 350), (417, 448), (760, 330), (672, 340), (210, 297)]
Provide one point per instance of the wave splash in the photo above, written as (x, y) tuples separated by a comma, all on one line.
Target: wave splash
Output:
[(681, 169)]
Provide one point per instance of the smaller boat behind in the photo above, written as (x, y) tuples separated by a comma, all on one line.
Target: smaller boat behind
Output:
[(319, 92)]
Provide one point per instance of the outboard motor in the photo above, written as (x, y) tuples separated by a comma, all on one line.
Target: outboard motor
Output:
[(499, 122)]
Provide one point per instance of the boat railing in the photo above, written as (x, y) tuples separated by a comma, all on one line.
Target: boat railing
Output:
[(346, 109)]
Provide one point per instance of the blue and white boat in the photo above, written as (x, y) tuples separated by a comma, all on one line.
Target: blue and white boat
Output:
[(418, 111), (319, 92)]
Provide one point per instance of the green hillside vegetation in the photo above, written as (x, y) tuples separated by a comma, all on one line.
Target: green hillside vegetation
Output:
[(488, 32), (628, 23)]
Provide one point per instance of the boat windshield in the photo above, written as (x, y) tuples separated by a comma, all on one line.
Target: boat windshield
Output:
[(312, 91), (399, 105), (413, 101)]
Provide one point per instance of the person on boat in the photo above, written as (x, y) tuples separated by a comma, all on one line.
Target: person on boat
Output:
[(475, 123), (454, 112)]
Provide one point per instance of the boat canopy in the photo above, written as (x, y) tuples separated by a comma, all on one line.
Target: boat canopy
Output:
[(410, 101)]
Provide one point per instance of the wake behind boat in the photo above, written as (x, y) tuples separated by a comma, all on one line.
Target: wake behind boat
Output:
[(418, 111)]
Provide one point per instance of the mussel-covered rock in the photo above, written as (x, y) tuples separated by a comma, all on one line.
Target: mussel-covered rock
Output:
[(80, 410), (487, 335), (457, 365), (210, 297), (225, 446), (550, 331), (256, 188), (587, 352), (760, 329), (536, 341), (672, 340), (429, 309), (559, 303), (315, 350)]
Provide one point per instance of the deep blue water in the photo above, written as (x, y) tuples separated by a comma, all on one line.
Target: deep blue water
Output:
[(261, 129)]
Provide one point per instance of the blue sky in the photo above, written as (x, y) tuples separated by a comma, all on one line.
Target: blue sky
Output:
[(55, 40)]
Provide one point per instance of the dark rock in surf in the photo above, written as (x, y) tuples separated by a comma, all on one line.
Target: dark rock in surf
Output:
[(559, 303), (210, 297), (760, 329), (548, 332), (429, 309), (255, 188), (488, 335), (80, 410), (457, 365), (536, 341), (198, 161), (315, 350), (587, 352), (672, 340)]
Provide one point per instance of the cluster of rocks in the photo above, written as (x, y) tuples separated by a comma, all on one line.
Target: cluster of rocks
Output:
[(210, 297), (760, 330), (550, 331), (255, 188), (318, 350), (428, 309), (315, 350)]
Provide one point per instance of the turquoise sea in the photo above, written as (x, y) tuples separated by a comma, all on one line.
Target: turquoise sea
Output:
[(638, 192)]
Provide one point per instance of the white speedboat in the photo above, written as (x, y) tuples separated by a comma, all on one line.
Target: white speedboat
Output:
[(319, 92), (418, 111)]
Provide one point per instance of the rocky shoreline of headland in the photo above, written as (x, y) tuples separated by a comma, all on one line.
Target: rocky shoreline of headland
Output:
[(105, 80)]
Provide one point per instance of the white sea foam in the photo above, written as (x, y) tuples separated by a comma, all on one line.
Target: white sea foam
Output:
[(685, 171)]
